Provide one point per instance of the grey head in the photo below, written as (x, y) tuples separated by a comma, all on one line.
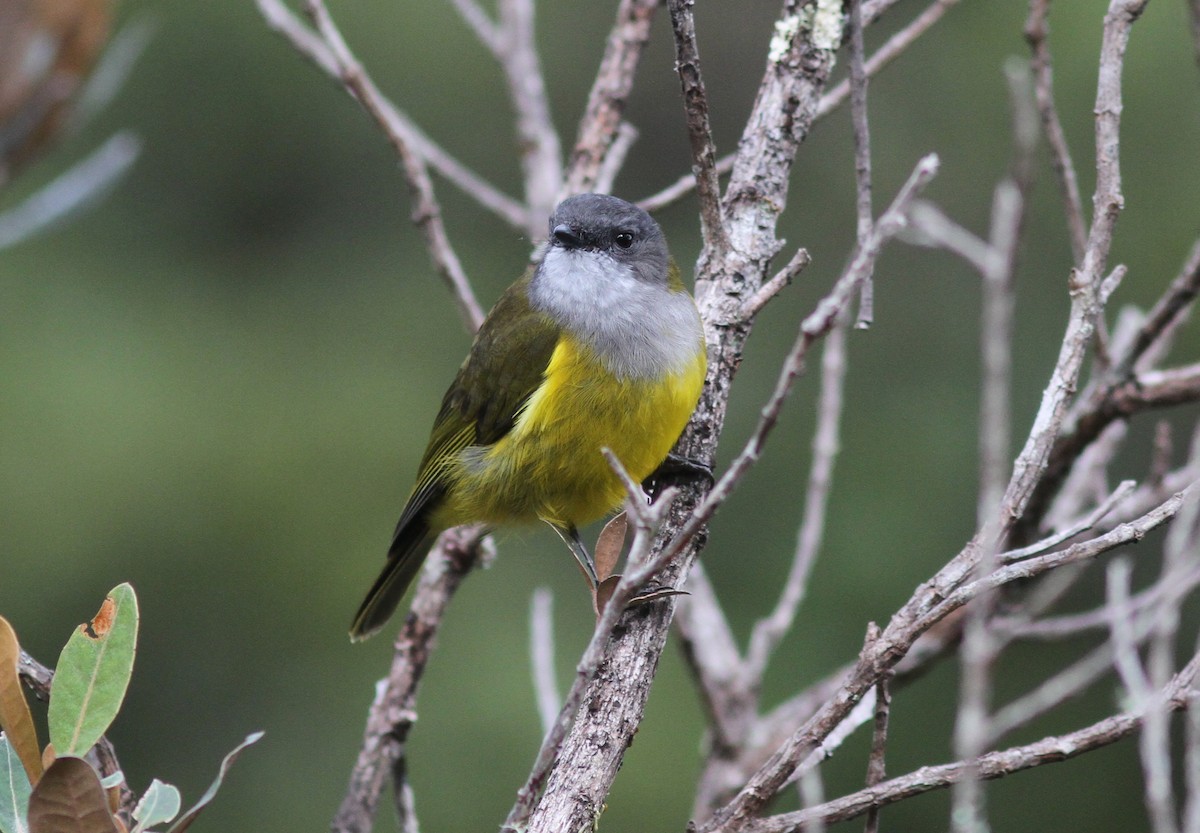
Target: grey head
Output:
[(613, 227)]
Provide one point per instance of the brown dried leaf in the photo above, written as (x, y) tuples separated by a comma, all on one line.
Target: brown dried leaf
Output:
[(70, 799), (15, 718), (603, 593), (609, 546)]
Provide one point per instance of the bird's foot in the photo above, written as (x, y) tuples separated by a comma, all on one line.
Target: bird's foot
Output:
[(677, 468)]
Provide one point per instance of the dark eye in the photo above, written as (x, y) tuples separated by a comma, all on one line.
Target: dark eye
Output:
[(624, 239)]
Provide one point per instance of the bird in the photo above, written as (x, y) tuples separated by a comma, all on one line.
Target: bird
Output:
[(597, 345)]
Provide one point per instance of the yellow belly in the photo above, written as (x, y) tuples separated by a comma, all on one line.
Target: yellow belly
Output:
[(549, 466)]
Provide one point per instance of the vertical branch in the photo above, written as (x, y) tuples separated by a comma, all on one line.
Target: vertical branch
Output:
[(1037, 33), (601, 121), (541, 152), (1084, 281), (862, 155), (876, 763), (393, 712), (695, 106), (1154, 743), (826, 443), (541, 653)]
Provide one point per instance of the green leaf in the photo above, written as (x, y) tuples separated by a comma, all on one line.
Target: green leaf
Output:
[(15, 720), (159, 805), (93, 673), (14, 791), (69, 799), (190, 816)]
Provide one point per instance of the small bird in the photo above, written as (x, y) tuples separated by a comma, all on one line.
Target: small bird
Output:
[(599, 345)]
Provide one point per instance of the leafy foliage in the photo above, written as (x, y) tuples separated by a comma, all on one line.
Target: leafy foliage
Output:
[(86, 694)]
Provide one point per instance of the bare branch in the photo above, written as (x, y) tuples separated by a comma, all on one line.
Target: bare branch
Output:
[(695, 105), (601, 121), (541, 153), (876, 763), (1037, 33), (992, 765), (830, 101), (1084, 283), (1168, 313), (394, 709), (932, 602), (527, 813), (862, 155), (614, 160), (769, 631), (891, 49), (486, 29), (816, 325), (754, 304), (395, 123), (541, 652)]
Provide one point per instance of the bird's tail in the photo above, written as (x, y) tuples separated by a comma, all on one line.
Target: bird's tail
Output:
[(404, 561)]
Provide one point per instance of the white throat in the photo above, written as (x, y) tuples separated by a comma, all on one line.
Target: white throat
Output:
[(639, 329)]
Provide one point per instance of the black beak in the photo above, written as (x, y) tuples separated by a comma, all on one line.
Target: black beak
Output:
[(566, 237)]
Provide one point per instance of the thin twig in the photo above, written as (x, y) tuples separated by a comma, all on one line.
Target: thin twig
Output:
[(394, 709), (991, 765), (695, 105), (311, 46), (829, 102), (1165, 316), (1037, 32), (1122, 491), (540, 150), (485, 29), (541, 652), (614, 160), (862, 156), (1073, 624), (602, 117), (770, 630), (816, 325), (341, 63), (891, 49), (754, 304), (877, 760)]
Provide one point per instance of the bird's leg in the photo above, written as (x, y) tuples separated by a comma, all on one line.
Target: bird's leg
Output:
[(676, 467), (570, 536)]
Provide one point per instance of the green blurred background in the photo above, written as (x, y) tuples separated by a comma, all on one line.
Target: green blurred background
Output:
[(218, 382)]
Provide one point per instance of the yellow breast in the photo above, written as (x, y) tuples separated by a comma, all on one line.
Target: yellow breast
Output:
[(550, 466)]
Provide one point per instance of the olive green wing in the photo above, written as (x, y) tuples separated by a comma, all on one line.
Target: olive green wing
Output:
[(507, 363)]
